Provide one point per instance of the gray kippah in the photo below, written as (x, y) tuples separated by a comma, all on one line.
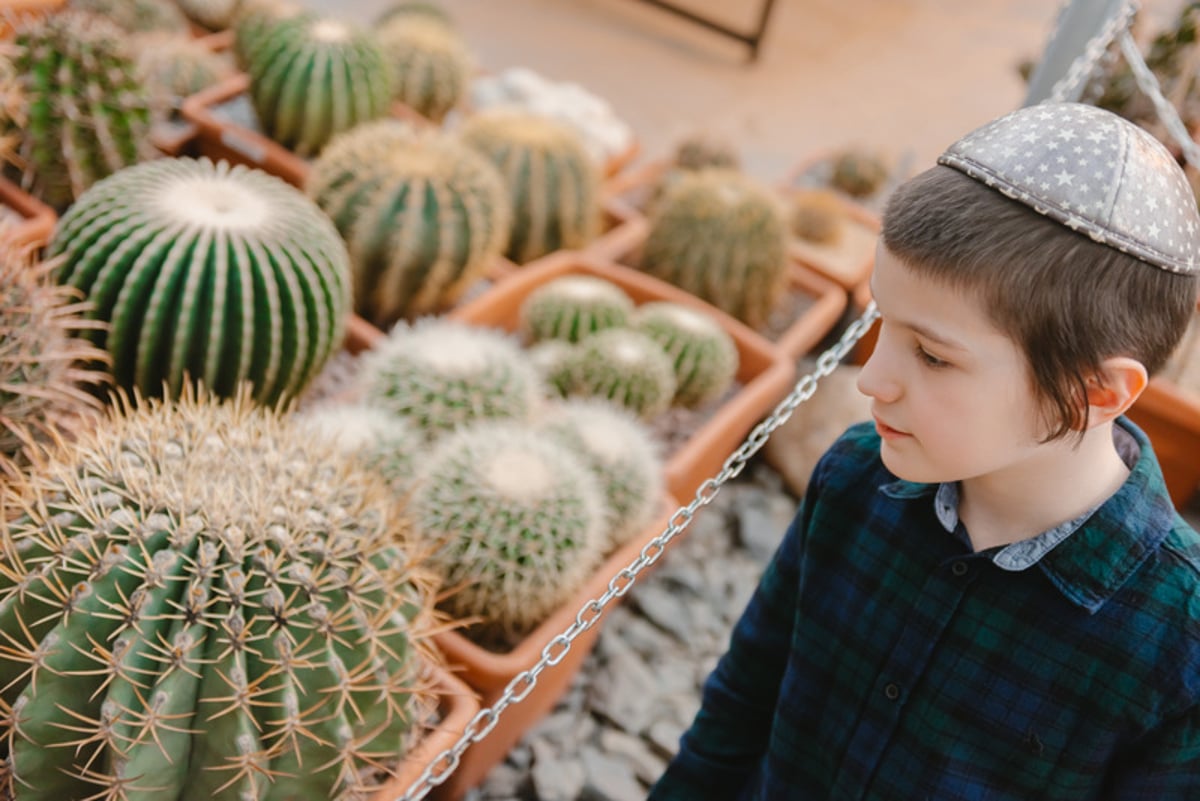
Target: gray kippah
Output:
[(1093, 171)]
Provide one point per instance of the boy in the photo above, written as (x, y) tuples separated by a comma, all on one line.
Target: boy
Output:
[(986, 593)]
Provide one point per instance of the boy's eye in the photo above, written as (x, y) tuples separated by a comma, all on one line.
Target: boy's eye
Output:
[(929, 359)]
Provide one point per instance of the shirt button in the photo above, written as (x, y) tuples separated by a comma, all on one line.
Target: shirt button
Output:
[(959, 568), (891, 690)]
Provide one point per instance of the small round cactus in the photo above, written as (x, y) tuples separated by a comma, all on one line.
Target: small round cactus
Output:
[(703, 353), (858, 172), (174, 67), (431, 64), (215, 15), (422, 214), (817, 216), (517, 523), (573, 307), (312, 77), (198, 602), (219, 273), (443, 374), (416, 8), (721, 236), (553, 183), (554, 360), (699, 151), (620, 450), (626, 367), (137, 16), (383, 442)]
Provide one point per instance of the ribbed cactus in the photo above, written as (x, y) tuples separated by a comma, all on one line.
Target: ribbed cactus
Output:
[(85, 112), (703, 353), (553, 183), (554, 360), (517, 523), (198, 603), (443, 374), (858, 172), (416, 8), (312, 77), (223, 273), (721, 236), (817, 215), (572, 307), (137, 16), (621, 452), (702, 150), (431, 64), (383, 442), (252, 21), (216, 15), (173, 66), (626, 367), (44, 378), (423, 216)]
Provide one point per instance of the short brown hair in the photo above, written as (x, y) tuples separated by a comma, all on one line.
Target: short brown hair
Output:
[(1067, 301)]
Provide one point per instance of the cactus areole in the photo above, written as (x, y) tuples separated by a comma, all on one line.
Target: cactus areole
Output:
[(199, 603)]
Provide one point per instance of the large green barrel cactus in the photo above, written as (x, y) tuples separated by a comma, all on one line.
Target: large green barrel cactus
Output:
[(431, 64), (253, 19), (553, 182), (312, 77), (704, 355), (422, 214), (83, 109), (224, 274), (722, 236), (199, 603), (516, 520)]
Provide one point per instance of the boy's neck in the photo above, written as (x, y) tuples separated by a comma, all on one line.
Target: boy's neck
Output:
[(1059, 484)]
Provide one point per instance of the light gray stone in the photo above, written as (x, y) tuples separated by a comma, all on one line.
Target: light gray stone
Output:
[(556, 778), (608, 778), (647, 764)]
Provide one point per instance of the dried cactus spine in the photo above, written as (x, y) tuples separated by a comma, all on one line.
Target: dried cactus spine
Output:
[(431, 65), (551, 180), (703, 354), (217, 272), (235, 593), (423, 216), (573, 307), (721, 236), (626, 367)]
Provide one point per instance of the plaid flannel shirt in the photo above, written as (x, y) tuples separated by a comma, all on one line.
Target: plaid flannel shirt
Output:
[(880, 658)]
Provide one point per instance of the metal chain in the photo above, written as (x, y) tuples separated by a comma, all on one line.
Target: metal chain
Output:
[(1083, 68), (440, 768), (1167, 114)]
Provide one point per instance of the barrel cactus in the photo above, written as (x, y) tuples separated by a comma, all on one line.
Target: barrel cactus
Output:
[(215, 15), (423, 215), (137, 16), (859, 173), (44, 380), (385, 443), (817, 216), (626, 367), (173, 67), (621, 452), (252, 20), (201, 604), (573, 307), (85, 112), (721, 236), (431, 64), (699, 151), (516, 521), (312, 77), (217, 272), (416, 8), (554, 360), (703, 353), (552, 181), (443, 374)]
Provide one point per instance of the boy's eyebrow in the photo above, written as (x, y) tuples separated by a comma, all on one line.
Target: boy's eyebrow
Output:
[(926, 333)]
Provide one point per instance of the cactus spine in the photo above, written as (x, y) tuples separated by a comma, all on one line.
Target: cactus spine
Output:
[(517, 521), (423, 216), (85, 110), (703, 353), (721, 236), (626, 367), (223, 273), (553, 183), (431, 64), (313, 77), (201, 604), (573, 307)]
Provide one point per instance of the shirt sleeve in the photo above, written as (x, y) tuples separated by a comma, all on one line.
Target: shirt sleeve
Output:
[(720, 754), (1165, 766)]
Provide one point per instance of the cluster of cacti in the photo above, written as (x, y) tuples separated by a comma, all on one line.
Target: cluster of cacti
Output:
[(44, 377), (626, 367), (431, 63), (84, 110), (517, 521), (173, 67), (816, 215), (312, 77), (442, 374), (216, 15), (221, 274), (553, 184), (573, 307), (615, 447), (137, 16), (200, 603), (422, 214), (703, 354), (383, 442), (722, 236), (859, 173)]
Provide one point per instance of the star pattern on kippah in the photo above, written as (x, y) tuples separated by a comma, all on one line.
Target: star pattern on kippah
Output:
[(1094, 172)]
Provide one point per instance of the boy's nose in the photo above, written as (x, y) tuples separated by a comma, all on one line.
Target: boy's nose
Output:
[(875, 379)]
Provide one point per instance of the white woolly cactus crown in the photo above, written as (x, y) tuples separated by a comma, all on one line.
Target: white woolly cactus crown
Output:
[(383, 442), (703, 354), (572, 307)]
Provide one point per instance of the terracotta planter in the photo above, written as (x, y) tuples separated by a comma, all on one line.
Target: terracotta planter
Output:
[(30, 222), (11, 10)]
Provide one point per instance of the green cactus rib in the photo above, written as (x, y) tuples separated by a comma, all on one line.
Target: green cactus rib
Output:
[(431, 64), (216, 273), (703, 353), (626, 367), (552, 182), (198, 603), (312, 77), (721, 236), (423, 216), (573, 307), (253, 19)]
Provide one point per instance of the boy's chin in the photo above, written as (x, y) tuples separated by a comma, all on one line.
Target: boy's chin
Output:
[(907, 469)]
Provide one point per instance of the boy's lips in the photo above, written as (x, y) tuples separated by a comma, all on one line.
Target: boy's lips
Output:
[(886, 431)]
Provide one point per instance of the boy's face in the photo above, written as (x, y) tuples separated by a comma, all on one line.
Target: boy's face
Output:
[(950, 394)]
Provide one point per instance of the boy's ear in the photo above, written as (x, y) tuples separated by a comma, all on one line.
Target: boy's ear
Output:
[(1119, 384)]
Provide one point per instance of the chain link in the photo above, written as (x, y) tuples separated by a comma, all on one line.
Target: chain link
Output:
[(1084, 67), (439, 770)]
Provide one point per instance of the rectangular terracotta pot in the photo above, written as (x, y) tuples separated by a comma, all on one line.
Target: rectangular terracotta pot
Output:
[(17, 9), (30, 222)]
